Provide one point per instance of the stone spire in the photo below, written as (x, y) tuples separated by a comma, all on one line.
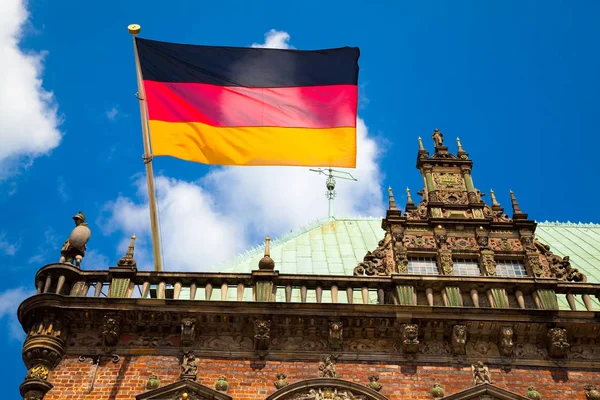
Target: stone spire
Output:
[(423, 153), (128, 261), (409, 200), (461, 153), (267, 262), (517, 213), (495, 205), (392, 201)]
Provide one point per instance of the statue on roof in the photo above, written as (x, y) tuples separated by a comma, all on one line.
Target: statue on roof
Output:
[(75, 246), (438, 138)]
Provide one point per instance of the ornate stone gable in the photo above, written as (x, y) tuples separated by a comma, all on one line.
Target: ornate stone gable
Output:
[(452, 226)]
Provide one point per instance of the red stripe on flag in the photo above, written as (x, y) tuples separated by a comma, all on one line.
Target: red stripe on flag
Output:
[(330, 106)]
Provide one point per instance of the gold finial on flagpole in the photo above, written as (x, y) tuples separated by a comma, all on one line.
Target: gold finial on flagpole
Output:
[(134, 29)]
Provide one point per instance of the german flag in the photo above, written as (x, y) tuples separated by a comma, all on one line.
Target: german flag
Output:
[(251, 106)]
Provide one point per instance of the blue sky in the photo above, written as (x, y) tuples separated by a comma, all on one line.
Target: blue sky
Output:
[(516, 81)]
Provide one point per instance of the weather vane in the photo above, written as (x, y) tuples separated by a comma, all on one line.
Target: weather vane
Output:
[(331, 174)]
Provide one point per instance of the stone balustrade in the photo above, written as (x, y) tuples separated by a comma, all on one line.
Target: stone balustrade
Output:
[(397, 289)]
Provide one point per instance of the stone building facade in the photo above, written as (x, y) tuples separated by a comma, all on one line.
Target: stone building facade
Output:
[(457, 300)]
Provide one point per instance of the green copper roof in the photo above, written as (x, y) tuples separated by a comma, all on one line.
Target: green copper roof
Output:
[(336, 247), (324, 248), (581, 242)]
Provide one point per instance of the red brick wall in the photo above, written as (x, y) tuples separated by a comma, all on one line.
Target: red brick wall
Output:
[(254, 380)]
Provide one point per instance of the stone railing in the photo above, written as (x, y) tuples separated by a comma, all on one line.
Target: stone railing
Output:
[(404, 290)]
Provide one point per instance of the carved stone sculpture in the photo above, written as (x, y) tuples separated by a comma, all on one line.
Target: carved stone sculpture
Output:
[(221, 384), (438, 138), (533, 394), (336, 331), (189, 366), (153, 382), (459, 339), (374, 263), (75, 246), (328, 368), (505, 342), (481, 373), (410, 341), (437, 391), (373, 383), (281, 382), (188, 329), (557, 342), (262, 335), (111, 330), (560, 267)]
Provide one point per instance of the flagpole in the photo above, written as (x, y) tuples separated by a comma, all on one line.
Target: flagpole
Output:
[(134, 29)]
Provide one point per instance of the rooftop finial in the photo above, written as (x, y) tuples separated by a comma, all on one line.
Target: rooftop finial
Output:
[(392, 200), (515, 206), (493, 196), (128, 260), (421, 144), (409, 200), (459, 145), (267, 262)]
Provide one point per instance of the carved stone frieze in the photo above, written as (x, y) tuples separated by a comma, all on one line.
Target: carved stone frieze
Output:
[(328, 367), (419, 242), (448, 181), (505, 244), (226, 342), (300, 343), (188, 331), (462, 243), (459, 339), (435, 348), (453, 197), (151, 341), (336, 335), (410, 338), (529, 350), (558, 345), (369, 345), (505, 341)]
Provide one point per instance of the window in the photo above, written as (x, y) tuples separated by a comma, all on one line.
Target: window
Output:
[(466, 267), (422, 266), (511, 269)]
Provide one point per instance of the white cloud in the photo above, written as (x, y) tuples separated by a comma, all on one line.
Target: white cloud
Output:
[(28, 113), (112, 113), (62, 189), (9, 303), (207, 222), (93, 259), (7, 248), (275, 39)]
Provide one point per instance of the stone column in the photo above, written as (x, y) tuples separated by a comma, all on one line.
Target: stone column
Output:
[(43, 349)]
